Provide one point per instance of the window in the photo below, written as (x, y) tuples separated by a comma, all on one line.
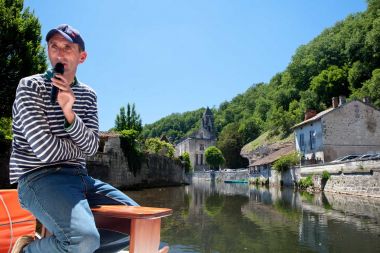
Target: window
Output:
[(201, 163), (196, 159), (302, 142), (312, 139), (201, 147)]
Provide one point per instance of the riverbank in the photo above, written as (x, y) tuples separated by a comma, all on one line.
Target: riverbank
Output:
[(358, 178)]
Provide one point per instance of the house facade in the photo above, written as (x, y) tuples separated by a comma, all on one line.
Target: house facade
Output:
[(344, 129), (196, 144)]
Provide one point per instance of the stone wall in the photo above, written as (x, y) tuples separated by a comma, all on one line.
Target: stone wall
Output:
[(222, 175), (356, 177), (110, 165), (286, 178)]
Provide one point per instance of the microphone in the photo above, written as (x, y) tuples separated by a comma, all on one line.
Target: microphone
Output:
[(58, 69)]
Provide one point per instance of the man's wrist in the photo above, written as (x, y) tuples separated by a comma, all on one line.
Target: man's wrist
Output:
[(70, 117)]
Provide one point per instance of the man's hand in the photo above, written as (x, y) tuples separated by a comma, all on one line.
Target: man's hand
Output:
[(65, 97)]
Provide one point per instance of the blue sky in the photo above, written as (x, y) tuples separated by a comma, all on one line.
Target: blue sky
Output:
[(174, 56)]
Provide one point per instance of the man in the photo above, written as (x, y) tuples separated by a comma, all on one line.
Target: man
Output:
[(50, 144)]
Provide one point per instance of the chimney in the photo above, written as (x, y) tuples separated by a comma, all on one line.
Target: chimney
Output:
[(310, 113), (335, 102), (342, 100), (366, 100)]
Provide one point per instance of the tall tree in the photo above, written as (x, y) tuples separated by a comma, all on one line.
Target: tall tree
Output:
[(129, 120), (21, 53)]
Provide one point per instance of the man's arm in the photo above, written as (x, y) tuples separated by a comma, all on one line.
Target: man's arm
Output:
[(84, 132), (32, 122)]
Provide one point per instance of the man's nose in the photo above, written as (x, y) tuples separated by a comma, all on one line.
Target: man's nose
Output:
[(61, 52)]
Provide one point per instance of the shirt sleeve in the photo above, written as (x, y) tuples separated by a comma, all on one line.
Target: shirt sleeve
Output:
[(84, 132)]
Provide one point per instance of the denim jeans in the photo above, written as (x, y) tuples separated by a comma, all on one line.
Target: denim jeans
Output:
[(60, 198)]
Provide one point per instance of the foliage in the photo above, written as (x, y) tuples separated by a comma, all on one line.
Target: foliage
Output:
[(371, 88), (6, 128), (230, 143), (156, 146), (129, 120), (325, 175), (286, 162), (21, 53), (305, 182), (174, 126), (131, 149), (214, 157), (185, 158)]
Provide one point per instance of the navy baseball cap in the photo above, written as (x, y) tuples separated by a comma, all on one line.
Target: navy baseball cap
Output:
[(70, 33)]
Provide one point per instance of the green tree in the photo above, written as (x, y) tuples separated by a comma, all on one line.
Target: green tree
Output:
[(185, 158), (214, 157), (330, 83), (131, 149), (371, 89), (129, 120), (21, 53), (230, 143), (6, 128), (156, 146)]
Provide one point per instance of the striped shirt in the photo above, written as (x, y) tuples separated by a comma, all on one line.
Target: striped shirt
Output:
[(41, 136)]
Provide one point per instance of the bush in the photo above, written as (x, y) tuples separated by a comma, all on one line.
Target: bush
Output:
[(286, 162), (305, 182), (326, 175), (185, 159), (131, 149), (214, 157), (156, 146)]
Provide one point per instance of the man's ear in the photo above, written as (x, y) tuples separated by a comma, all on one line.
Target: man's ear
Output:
[(83, 56)]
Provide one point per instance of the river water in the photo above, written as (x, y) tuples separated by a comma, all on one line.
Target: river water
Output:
[(216, 217)]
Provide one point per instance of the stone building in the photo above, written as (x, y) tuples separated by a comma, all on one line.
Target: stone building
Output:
[(197, 143), (343, 129)]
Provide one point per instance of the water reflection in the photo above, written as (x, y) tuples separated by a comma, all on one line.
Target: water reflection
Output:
[(217, 217)]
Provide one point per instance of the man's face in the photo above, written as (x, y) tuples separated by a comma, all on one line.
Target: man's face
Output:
[(68, 53)]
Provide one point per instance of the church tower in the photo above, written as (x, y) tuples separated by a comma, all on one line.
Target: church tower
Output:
[(207, 125), (197, 143)]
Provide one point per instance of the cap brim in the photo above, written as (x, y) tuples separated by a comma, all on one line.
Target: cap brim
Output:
[(55, 31)]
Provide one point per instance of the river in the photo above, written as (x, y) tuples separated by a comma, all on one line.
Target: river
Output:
[(216, 217)]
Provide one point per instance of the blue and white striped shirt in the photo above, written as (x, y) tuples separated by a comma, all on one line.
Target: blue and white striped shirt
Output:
[(41, 136)]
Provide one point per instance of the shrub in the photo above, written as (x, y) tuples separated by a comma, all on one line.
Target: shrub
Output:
[(156, 146), (185, 159), (325, 175), (286, 162), (214, 157), (131, 149), (305, 182)]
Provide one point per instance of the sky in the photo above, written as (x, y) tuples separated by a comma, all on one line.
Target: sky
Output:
[(173, 56)]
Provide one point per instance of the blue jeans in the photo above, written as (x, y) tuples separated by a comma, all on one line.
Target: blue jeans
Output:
[(60, 198)]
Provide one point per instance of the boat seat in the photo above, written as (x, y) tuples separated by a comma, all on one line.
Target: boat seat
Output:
[(142, 223)]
